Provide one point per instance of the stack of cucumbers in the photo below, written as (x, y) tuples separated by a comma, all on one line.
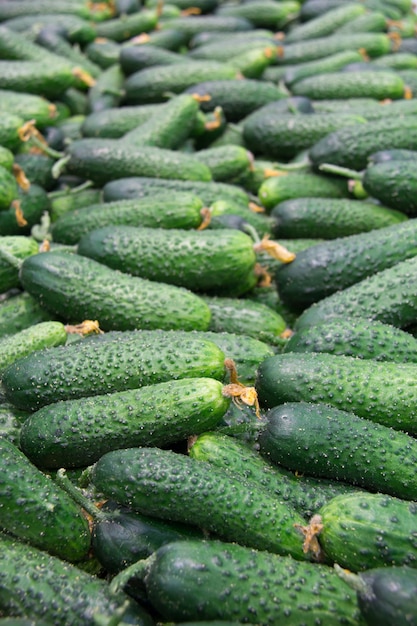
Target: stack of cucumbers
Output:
[(208, 313)]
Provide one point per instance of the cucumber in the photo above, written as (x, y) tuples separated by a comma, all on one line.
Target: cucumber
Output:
[(110, 362), (230, 574), (49, 80), (342, 261), (290, 185), (63, 595), (386, 296), (107, 90), (331, 63), (393, 154), (369, 22), (25, 212), (365, 530), (326, 442), (173, 486), (133, 58), (369, 109), (42, 335), (8, 188), (74, 28), (191, 25), (364, 339), (115, 122), (52, 40), (263, 13), (229, 164), (309, 377), (28, 107), (103, 52), (20, 311), (326, 23), (153, 84), (393, 184), (10, 124), (37, 169), (21, 247), (221, 261), (37, 511), (101, 160), (351, 147), (378, 84), (120, 29), (178, 210), (304, 493), (12, 8), (279, 136), (65, 202)]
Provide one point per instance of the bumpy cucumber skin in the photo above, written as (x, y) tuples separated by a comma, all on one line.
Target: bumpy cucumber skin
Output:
[(378, 84), (178, 210), (20, 311), (277, 189), (38, 336), (41, 78), (209, 261), (322, 441), (77, 432), (235, 582), (380, 391), (21, 247), (386, 296), (36, 510), (366, 530), (174, 486), (107, 363), (351, 147), (46, 587), (361, 338), (77, 288), (102, 160), (334, 265), (305, 494), (394, 184)]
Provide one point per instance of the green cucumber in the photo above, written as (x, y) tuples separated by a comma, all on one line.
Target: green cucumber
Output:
[(133, 58), (322, 441), (365, 530), (120, 29), (393, 183), (10, 124), (25, 212), (351, 147), (115, 122), (76, 433), (362, 338), (305, 494), (386, 296), (20, 311), (178, 210), (372, 21), (101, 160), (344, 260), (228, 164), (11, 9), (398, 61), (107, 90), (37, 168), (63, 595), (263, 13), (393, 154), (241, 583), (28, 107), (326, 23), (37, 511), (67, 201), (21, 247), (368, 108), (36, 337), (114, 361), (191, 25), (103, 52), (41, 78), (290, 185), (378, 84), (176, 487), (311, 377), (330, 63), (221, 261), (11, 420), (8, 188)]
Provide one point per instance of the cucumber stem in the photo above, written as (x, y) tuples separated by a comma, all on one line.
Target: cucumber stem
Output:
[(64, 482), (137, 570), (353, 580), (70, 191), (59, 166), (10, 258), (340, 171)]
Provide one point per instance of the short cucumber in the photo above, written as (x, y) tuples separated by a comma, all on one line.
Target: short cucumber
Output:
[(63, 595), (386, 296), (108, 363), (378, 84), (318, 440), (38, 511), (221, 261), (36, 337), (311, 377), (178, 210), (102, 160), (176, 487), (21, 247), (293, 592), (20, 311), (365, 530), (393, 184)]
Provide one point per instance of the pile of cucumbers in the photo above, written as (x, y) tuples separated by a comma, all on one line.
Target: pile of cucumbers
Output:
[(208, 313)]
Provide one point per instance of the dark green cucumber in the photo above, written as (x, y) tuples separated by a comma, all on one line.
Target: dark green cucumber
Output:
[(37, 168), (75, 28), (103, 52), (240, 583), (322, 441), (380, 391), (25, 212), (393, 183), (176, 487), (21, 247), (36, 337), (223, 212), (386, 296), (76, 433), (115, 122), (398, 61), (102, 160), (212, 51), (365, 530), (120, 29), (393, 154), (133, 58), (50, 39), (330, 218), (37, 511), (292, 185), (386, 595), (228, 164), (362, 338), (221, 261), (345, 260), (111, 362), (153, 84), (351, 147), (62, 595), (240, 315), (263, 13), (178, 210), (305, 494), (282, 136), (20, 311)]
